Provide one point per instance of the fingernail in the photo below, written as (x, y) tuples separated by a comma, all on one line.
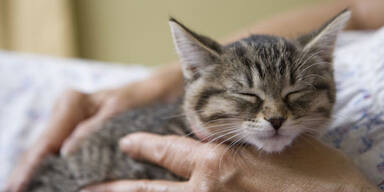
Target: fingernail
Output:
[(125, 143), (89, 189), (93, 188), (64, 151)]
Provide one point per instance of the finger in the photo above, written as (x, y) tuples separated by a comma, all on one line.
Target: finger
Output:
[(86, 128), (81, 132), (68, 111), (139, 186), (18, 180), (24, 170), (176, 153), (109, 108)]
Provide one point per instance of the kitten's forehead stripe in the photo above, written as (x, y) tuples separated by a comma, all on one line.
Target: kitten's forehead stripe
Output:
[(248, 72), (282, 66), (267, 54), (292, 79), (240, 49), (259, 70), (272, 60)]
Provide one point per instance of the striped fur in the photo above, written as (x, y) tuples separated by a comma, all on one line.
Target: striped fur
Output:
[(262, 90)]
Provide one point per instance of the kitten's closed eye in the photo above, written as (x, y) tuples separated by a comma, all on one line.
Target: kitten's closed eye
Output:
[(294, 95), (253, 97), (249, 94)]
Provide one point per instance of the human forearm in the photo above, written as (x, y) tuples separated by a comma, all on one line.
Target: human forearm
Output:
[(365, 15), (169, 81)]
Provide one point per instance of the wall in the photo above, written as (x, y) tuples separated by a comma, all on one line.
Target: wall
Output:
[(136, 31)]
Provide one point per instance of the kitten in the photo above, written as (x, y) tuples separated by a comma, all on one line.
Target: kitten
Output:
[(263, 91)]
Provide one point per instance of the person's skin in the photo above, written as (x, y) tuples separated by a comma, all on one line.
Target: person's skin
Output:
[(75, 113), (301, 167)]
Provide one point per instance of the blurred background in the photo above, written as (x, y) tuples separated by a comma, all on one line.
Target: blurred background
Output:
[(125, 31)]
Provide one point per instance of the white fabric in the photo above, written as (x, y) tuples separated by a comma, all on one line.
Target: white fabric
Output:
[(358, 127), (30, 84)]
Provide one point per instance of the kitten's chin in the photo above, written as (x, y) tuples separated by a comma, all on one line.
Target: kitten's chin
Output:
[(272, 144)]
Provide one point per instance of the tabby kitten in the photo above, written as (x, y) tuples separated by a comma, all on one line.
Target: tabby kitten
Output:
[(263, 91)]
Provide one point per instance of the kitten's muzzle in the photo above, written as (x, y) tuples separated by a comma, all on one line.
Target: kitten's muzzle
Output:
[(276, 122)]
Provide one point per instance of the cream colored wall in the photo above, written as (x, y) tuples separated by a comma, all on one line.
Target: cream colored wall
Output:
[(136, 31), (2, 24), (129, 31), (38, 26)]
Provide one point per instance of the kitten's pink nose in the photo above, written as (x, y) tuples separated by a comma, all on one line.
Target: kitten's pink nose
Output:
[(276, 122)]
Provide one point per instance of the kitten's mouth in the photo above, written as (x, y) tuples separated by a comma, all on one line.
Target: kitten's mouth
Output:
[(271, 143), (274, 136)]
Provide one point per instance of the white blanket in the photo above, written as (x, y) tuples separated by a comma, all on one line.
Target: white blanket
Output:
[(30, 84)]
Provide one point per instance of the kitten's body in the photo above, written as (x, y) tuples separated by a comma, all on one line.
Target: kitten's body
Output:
[(99, 158), (263, 91)]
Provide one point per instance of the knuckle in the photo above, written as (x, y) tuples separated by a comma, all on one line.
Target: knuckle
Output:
[(89, 126), (81, 126), (212, 160), (164, 150), (130, 143), (116, 103), (171, 138), (138, 136), (162, 153), (72, 94), (143, 186), (81, 132), (212, 156), (205, 186)]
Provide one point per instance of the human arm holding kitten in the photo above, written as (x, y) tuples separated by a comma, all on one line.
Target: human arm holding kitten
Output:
[(80, 111)]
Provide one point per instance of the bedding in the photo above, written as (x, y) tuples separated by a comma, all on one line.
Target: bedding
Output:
[(29, 85)]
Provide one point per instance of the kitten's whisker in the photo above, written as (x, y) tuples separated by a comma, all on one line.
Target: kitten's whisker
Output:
[(229, 147), (218, 120), (227, 129), (314, 75), (228, 139), (216, 126), (315, 64), (209, 137), (223, 135)]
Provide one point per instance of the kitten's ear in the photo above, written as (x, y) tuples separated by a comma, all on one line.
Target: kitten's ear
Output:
[(195, 51), (323, 39)]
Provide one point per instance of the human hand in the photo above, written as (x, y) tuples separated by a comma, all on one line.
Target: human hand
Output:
[(308, 165), (104, 104), (75, 116), (166, 84), (70, 109)]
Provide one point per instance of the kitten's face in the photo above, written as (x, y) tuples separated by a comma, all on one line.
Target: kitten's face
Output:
[(262, 90)]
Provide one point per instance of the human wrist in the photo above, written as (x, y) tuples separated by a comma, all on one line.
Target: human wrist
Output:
[(165, 83)]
